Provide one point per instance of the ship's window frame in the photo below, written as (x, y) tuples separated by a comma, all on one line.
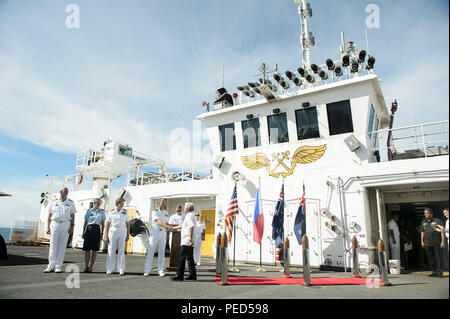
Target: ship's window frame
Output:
[(371, 122), (340, 117), (125, 150), (251, 138), (280, 138), (376, 128), (312, 129), (223, 145)]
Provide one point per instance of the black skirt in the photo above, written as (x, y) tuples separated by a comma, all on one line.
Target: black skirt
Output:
[(92, 238)]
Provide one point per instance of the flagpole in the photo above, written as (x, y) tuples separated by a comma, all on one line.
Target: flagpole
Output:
[(282, 238), (234, 269), (260, 269)]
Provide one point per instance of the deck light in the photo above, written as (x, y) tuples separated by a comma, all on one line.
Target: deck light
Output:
[(301, 71), (290, 75), (309, 78), (338, 71), (361, 56), (281, 81), (293, 78), (315, 68), (345, 60), (297, 81), (370, 62), (323, 75), (354, 66), (330, 64)]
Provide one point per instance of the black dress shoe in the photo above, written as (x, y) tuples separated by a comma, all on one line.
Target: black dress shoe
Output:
[(191, 278), (175, 278)]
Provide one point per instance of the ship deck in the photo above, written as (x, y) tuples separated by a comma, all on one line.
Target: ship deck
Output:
[(21, 276)]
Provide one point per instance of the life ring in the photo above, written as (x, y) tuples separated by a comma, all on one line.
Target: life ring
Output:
[(80, 180)]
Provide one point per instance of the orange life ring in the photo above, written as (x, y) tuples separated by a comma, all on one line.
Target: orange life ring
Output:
[(80, 179)]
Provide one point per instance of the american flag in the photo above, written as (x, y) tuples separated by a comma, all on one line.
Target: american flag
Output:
[(230, 217)]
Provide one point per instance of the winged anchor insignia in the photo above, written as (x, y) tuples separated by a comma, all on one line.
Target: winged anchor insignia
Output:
[(303, 155)]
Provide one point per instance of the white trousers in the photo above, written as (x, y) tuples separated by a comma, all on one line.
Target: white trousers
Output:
[(117, 238), (198, 250), (395, 250), (155, 240), (59, 234)]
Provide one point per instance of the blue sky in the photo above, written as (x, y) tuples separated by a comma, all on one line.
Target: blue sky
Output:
[(135, 70)]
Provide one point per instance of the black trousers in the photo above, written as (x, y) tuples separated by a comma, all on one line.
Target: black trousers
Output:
[(186, 252), (434, 258)]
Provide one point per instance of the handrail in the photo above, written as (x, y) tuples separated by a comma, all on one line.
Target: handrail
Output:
[(136, 176), (421, 140)]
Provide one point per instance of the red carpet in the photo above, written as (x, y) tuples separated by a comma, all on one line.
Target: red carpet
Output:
[(295, 281)]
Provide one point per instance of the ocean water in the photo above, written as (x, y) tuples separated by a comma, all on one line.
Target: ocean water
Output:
[(5, 232)]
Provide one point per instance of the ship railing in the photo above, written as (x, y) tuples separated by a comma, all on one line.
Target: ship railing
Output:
[(413, 141), (89, 157), (75, 182), (293, 90), (148, 174)]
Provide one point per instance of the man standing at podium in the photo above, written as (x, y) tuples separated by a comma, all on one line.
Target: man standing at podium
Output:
[(174, 220)]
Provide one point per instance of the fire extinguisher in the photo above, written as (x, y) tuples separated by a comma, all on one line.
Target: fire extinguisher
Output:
[(278, 254)]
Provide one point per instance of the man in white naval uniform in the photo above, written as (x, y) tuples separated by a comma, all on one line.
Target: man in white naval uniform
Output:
[(199, 237), (174, 220), (158, 237), (394, 237), (60, 222)]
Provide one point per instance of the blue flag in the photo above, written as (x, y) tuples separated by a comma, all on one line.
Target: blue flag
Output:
[(278, 220), (300, 219)]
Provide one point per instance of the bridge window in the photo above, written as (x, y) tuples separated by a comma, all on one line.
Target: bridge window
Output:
[(375, 128), (307, 124), (250, 133), (371, 116), (125, 151), (339, 117), (278, 130), (227, 137)]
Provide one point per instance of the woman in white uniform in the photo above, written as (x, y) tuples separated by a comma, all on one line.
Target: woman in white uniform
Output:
[(117, 232), (199, 237)]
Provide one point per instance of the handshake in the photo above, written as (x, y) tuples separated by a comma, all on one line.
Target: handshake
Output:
[(172, 228)]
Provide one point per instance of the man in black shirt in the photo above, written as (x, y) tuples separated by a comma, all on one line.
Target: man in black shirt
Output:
[(432, 241)]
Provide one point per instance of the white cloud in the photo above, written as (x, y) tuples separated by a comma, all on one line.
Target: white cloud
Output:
[(24, 202)]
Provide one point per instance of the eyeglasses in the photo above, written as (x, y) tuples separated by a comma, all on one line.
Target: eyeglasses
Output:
[(197, 215)]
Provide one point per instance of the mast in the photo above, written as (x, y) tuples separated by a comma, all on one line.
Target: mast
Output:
[(306, 37)]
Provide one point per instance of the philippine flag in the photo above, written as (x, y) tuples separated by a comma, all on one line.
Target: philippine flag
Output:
[(258, 220)]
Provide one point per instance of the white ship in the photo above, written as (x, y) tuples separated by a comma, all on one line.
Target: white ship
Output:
[(325, 126)]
